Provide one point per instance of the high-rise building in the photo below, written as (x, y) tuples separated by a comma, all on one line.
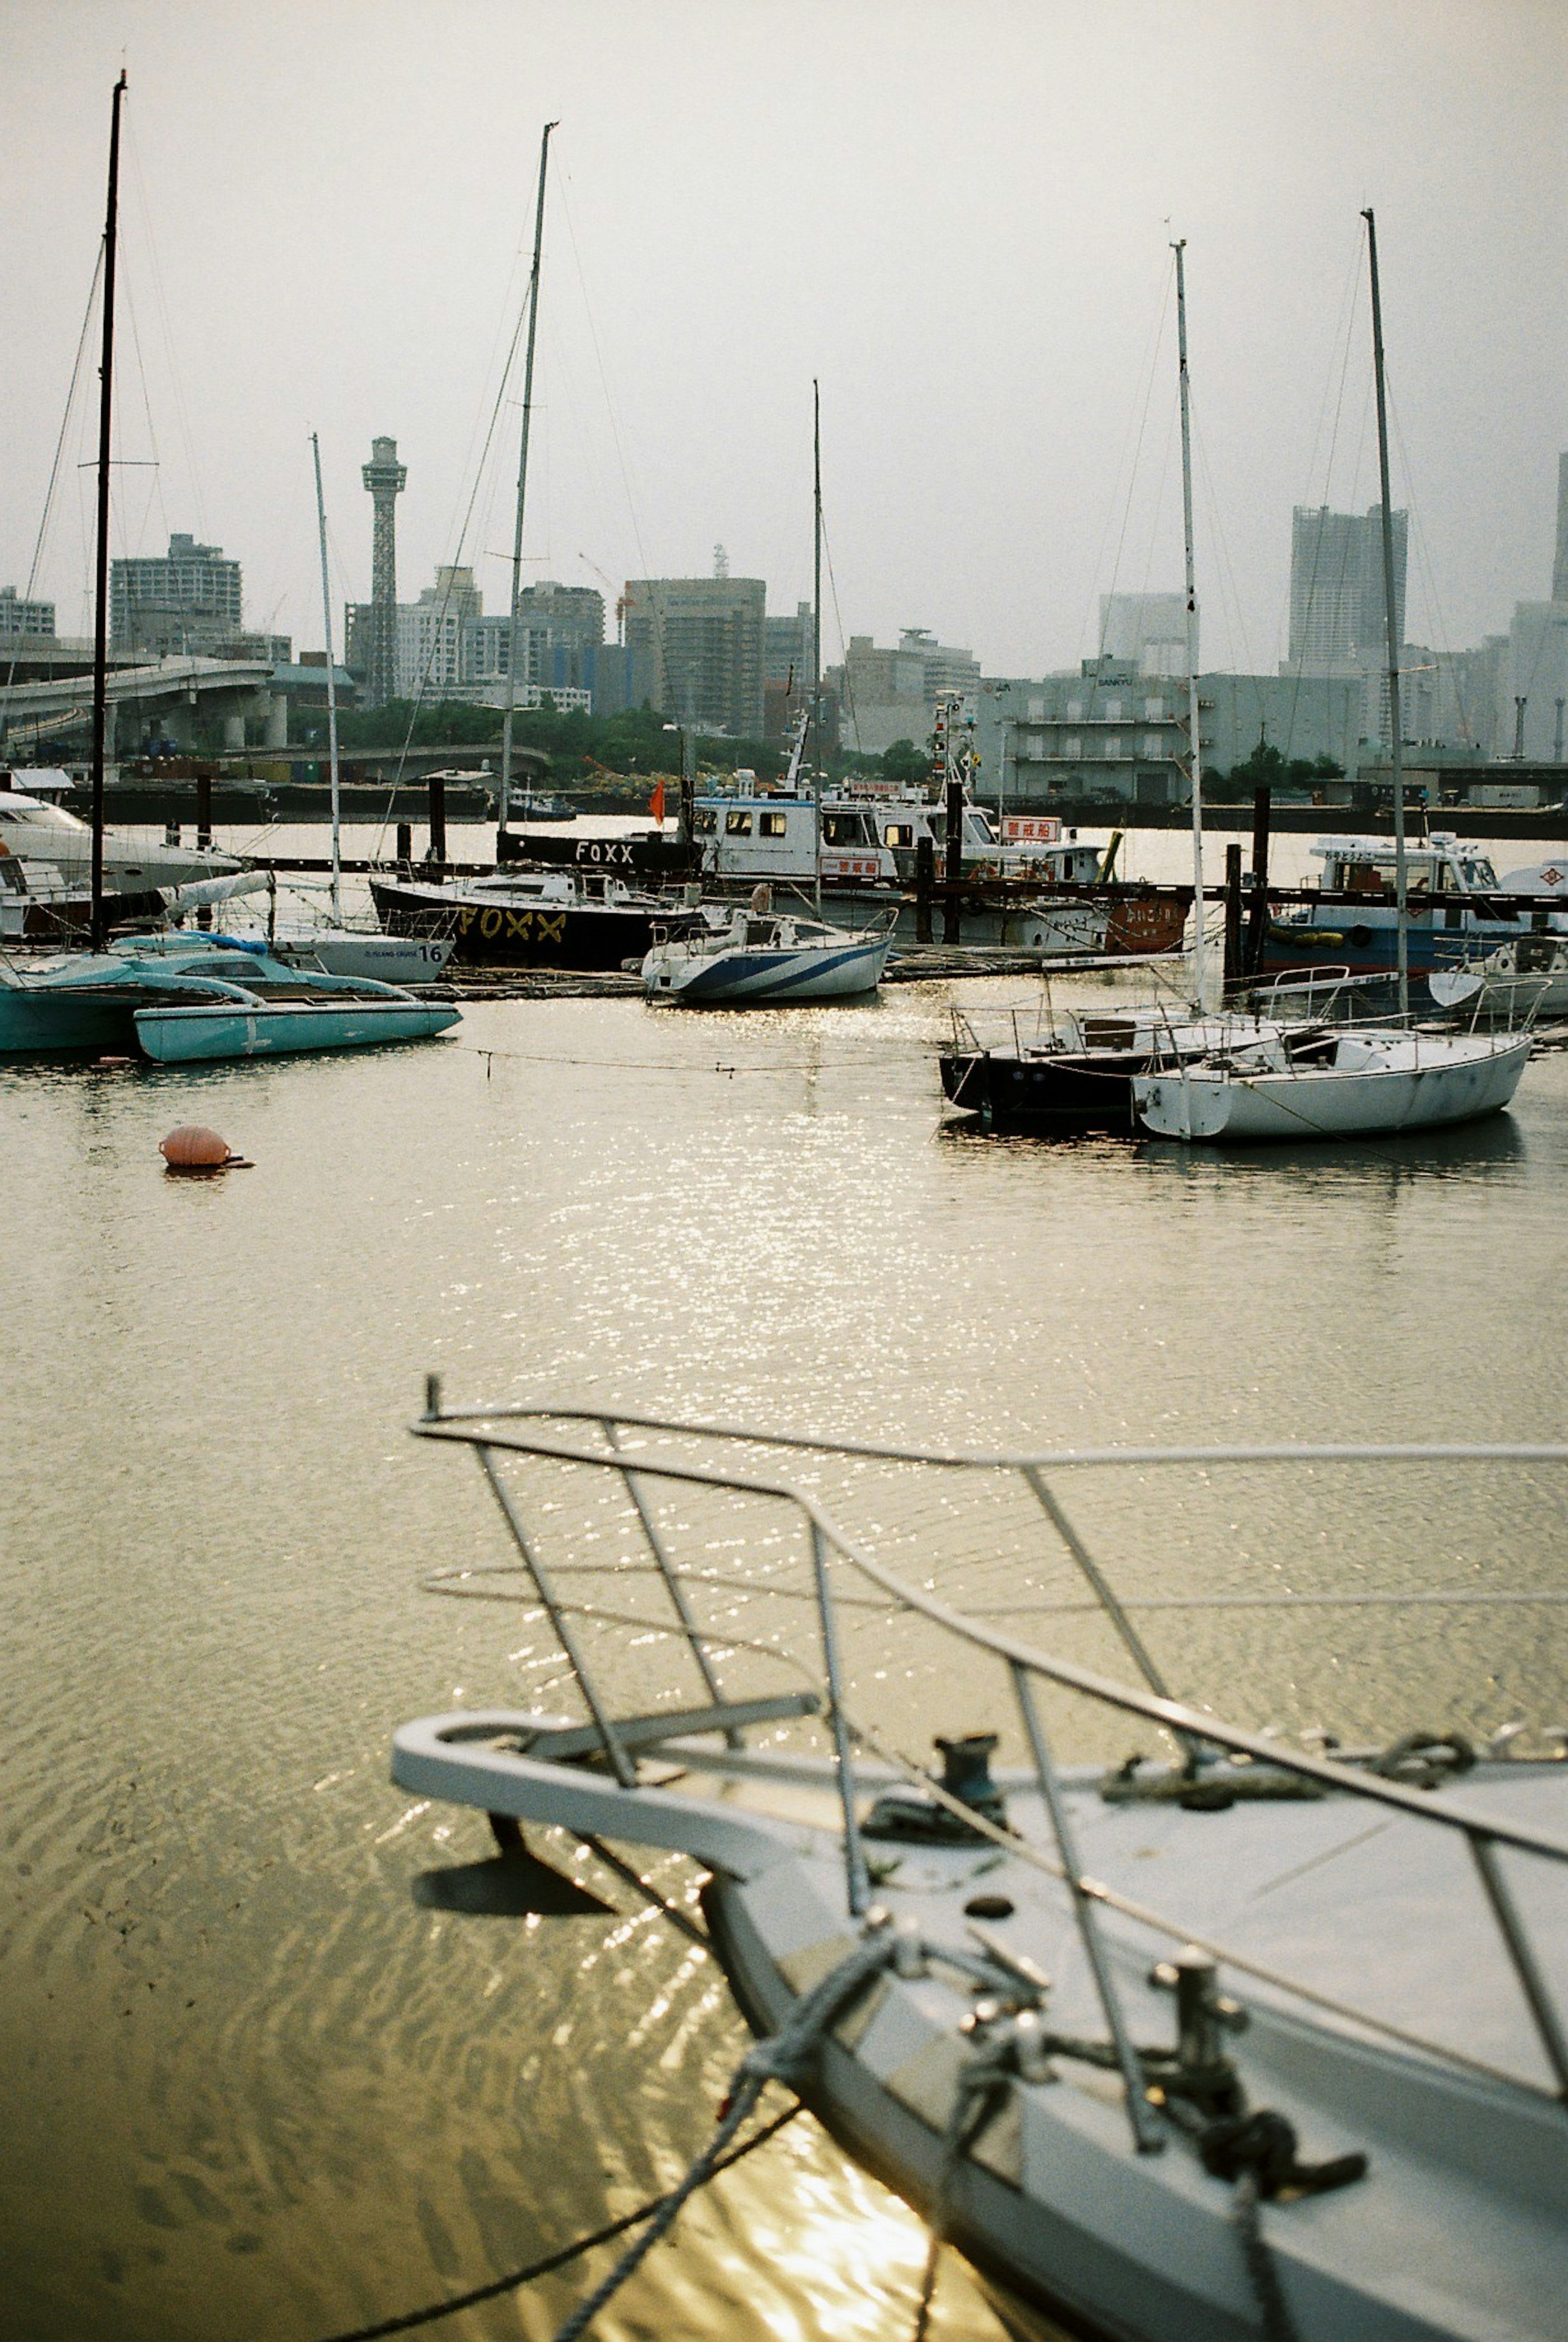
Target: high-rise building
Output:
[(1337, 602), (1148, 631), (697, 649), (20, 616), (186, 601), (384, 478), (887, 695)]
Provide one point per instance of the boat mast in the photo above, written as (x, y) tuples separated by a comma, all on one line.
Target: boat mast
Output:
[(816, 647), (101, 616), (1400, 873), (330, 695), (1195, 743), (523, 485)]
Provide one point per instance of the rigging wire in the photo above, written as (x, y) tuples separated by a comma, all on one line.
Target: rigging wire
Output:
[(59, 453), (162, 313), (1126, 470)]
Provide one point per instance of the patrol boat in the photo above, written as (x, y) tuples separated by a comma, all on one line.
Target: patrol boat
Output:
[(1260, 2038)]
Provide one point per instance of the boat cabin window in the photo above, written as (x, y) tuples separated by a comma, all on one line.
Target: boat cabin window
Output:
[(977, 827), (1480, 872), (1358, 878), (773, 824), (761, 931), (707, 821), (899, 833), (844, 829), (737, 825)]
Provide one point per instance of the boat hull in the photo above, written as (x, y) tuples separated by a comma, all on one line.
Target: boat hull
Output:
[(766, 979), (581, 936), (386, 959), (1012, 1092), (36, 1023), (1317, 1104), (195, 1033)]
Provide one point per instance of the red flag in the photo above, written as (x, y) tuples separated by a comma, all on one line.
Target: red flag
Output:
[(656, 802)]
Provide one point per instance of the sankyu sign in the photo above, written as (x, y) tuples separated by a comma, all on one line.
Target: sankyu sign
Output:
[(1031, 829)]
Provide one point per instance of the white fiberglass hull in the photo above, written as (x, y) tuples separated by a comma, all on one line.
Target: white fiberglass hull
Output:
[(1442, 2240), (1410, 1083), (346, 951), (751, 976)]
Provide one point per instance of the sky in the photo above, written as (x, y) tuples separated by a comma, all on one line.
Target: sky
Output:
[(955, 214)]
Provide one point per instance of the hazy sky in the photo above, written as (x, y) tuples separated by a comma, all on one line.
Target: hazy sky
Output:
[(955, 212)]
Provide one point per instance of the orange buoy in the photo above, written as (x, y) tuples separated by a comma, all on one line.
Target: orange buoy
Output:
[(193, 1147)]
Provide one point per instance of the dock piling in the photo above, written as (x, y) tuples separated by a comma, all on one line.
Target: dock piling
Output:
[(437, 852), (924, 882), (1258, 912), (1233, 968), (952, 862)]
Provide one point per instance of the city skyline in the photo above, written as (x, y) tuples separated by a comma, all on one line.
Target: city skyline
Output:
[(982, 308)]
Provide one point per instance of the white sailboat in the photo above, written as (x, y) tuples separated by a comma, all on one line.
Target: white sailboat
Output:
[(1265, 2039), (1370, 1082)]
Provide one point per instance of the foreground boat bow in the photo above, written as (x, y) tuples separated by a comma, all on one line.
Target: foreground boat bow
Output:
[(1260, 2040)]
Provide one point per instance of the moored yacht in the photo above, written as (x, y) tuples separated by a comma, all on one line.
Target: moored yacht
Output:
[(533, 918)]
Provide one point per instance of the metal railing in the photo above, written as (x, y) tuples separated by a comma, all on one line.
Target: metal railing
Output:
[(626, 1443)]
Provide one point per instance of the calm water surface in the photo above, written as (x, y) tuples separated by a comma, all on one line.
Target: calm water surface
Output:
[(255, 2090)]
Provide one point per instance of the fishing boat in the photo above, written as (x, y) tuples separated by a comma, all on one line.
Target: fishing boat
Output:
[(239, 1001), (768, 958), (1455, 907), (533, 918), (1361, 1083), (1256, 2038)]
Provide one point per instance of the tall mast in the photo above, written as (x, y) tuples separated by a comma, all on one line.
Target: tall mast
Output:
[(523, 484), (331, 692), (1401, 873), (1195, 743), (816, 644), (101, 616)]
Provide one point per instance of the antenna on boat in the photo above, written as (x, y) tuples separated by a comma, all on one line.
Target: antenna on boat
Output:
[(331, 698), (1195, 745), (523, 484), (816, 647), (101, 607), (1400, 873)]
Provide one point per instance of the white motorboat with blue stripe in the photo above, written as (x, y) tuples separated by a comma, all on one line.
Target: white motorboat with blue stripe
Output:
[(768, 958)]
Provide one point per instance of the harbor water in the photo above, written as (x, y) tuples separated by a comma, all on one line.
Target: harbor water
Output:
[(258, 2090)]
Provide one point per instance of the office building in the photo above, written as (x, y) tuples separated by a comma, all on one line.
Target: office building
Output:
[(187, 600), (1147, 631), (20, 616), (697, 650), (1110, 733), (1337, 598), (887, 695)]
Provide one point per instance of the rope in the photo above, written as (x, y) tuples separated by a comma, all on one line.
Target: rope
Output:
[(785, 2058), (1274, 2309), (517, 2279)]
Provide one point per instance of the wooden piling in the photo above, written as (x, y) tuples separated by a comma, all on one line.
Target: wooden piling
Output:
[(405, 843), (204, 809), (1258, 908), (924, 881), (1232, 976), (953, 864), (438, 818)]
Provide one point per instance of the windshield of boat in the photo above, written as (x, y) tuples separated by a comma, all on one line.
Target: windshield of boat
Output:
[(38, 816)]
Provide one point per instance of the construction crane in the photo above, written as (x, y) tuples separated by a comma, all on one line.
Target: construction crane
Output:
[(620, 598)]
